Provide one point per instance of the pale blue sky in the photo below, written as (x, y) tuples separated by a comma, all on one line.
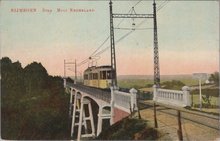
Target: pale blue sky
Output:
[(188, 34)]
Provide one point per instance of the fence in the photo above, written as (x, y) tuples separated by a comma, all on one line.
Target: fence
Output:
[(124, 101), (172, 97)]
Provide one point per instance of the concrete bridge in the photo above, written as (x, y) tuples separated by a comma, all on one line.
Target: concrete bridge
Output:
[(113, 105)]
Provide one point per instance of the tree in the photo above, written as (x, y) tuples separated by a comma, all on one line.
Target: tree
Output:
[(214, 77), (174, 84), (33, 103), (36, 77)]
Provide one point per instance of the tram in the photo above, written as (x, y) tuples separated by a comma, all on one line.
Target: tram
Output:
[(99, 77)]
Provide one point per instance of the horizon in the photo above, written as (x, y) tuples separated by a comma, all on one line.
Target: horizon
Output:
[(187, 45), (23, 66)]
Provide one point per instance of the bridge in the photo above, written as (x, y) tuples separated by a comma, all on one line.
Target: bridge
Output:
[(113, 105)]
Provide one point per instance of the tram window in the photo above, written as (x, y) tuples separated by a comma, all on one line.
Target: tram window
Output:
[(95, 75), (90, 76), (103, 74), (86, 76), (109, 74), (100, 74)]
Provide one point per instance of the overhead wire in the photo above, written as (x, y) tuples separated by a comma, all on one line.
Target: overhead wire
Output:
[(132, 28), (121, 38), (162, 5), (87, 59)]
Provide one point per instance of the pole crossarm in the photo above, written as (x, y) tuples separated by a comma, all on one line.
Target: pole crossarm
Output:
[(133, 16), (70, 63)]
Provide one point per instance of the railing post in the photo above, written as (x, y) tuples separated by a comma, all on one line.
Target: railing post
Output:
[(112, 105), (155, 92), (64, 82), (186, 96), (71, 102), (133, 93)]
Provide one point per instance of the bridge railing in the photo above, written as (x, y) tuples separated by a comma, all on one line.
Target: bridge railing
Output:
[(172, 97), (100, 94), (125, 101)]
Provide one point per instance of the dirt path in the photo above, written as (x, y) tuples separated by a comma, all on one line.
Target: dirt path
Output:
[(167, 125)]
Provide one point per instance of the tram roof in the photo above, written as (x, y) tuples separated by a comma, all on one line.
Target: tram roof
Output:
[(98, 67)]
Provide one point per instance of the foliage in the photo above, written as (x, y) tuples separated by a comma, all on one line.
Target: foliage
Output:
[(209, 91), (174, 84), (33, 104), (214, 77), (128, 129), (207, 99)]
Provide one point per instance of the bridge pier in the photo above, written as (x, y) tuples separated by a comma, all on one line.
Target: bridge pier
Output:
[(75, 109), (83, 119), (78, 111), (99, 127), (113, 106), (103, 114)]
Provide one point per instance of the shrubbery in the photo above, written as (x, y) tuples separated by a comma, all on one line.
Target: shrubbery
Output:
[(129, 129), (174, 84)]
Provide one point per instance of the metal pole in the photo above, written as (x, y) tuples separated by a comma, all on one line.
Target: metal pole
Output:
[(64, 68), (155, 116), (156, 52), (112, 43), (179, 131), (200, 94), (75, 72)]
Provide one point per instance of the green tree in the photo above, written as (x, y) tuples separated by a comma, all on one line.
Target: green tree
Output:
[(33, 103), (36, 77), (174, 84), (214, 77)]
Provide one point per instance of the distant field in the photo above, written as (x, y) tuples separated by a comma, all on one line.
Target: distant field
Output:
[(142, 81), (134, 83)]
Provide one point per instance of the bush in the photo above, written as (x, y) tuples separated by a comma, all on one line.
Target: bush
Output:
[(128, 129), (174, 84)]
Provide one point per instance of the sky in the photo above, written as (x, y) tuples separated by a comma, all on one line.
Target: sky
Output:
[(188, 35)]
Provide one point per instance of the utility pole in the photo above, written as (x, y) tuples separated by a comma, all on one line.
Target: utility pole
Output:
[(66, 66), (156, 53), (112, 43), (75, 72), (64, 69)]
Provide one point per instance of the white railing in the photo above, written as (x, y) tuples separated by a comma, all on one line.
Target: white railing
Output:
[(172, 97), (124, 101)]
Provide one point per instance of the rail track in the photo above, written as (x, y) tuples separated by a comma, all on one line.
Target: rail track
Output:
[(210, 121)]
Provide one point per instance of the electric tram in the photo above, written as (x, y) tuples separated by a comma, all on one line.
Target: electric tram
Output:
[(99, 77)]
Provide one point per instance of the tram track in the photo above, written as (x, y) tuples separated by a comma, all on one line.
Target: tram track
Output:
[(199, 118)]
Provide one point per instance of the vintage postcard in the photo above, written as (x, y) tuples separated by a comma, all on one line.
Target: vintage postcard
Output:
[(109, 70)]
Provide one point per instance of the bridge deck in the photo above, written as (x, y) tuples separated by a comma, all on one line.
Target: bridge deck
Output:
[(102, 94)]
